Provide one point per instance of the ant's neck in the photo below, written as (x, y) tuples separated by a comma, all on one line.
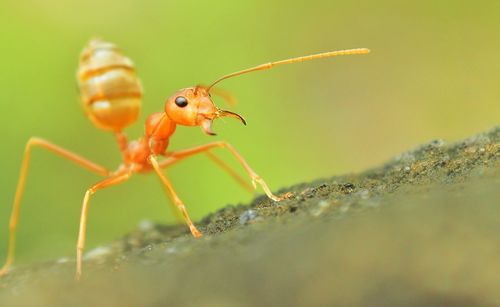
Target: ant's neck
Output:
[(122, 140), (157, 132)]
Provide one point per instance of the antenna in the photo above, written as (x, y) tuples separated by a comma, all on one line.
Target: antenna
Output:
[(293, 60)]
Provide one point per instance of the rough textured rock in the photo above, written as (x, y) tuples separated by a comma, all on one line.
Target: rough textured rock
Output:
[(422, 229)]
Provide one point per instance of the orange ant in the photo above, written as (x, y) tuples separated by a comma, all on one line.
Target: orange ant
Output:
[(111, 95)]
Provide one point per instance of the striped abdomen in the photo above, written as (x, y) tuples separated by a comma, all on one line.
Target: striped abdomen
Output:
[(110, 91)]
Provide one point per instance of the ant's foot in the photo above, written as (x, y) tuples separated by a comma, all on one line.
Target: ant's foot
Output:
[(4, 271), (195, 232), (257, 179), (287, 195)]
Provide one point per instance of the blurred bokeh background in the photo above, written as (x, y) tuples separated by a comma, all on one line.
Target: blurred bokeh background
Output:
[(433, 73)]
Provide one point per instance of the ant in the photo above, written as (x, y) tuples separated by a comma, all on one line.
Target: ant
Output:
[(111, 95)]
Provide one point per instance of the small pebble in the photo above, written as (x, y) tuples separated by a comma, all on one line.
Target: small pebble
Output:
[(97, 252), (171, 250), (437, 143), (147, 248), (248, 216), (320, 208), (146, 225)]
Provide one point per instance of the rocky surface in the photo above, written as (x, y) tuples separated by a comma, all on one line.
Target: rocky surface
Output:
[(423, 229)]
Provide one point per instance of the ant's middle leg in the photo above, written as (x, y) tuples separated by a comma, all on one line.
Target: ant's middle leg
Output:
[(173, 195), (114, 180)]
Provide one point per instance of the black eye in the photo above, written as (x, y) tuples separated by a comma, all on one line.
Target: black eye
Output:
[(181, 101)]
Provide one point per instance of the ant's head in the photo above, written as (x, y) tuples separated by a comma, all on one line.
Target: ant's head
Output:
[(193, 106)]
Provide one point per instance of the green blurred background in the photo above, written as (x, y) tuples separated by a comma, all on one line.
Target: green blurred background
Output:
[(433, 73)]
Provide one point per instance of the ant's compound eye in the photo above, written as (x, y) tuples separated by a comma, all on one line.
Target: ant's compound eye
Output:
[(181, 101)]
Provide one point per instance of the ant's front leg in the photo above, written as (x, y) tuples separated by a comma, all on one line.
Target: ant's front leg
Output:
[(176, 156), (173, 195)]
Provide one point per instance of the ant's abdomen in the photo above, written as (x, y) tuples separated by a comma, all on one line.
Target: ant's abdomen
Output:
[(110, 91)]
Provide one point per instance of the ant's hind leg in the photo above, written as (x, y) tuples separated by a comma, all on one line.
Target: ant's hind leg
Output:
[(14, 218), (83, 219)]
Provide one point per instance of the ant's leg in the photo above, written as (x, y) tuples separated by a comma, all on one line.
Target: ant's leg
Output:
[(83, 218), (179, 155), (14, 218), (230, 171), (173, 159), (177, 201)]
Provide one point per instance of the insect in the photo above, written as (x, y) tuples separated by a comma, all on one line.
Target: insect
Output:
[(111, 96)]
